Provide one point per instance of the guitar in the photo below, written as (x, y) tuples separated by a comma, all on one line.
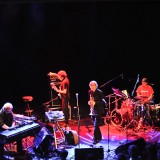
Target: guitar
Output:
[(56, 89)]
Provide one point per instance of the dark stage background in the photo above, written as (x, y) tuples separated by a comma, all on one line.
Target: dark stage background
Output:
[(90, 40)]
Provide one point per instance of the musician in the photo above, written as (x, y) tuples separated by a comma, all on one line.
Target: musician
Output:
[(97, 105), (145, 94), (64, 93), (7, 122)]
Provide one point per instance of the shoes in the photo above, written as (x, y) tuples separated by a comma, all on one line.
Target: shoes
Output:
[(8, 157), (96, 141)]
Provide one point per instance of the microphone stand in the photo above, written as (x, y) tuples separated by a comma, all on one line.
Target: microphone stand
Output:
[(78, 115), (46, 103), (121, 75), (108, 119), (135, 85)]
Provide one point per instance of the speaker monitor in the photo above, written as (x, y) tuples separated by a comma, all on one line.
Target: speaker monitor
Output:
[(140, 143), (89, 153), (43, 141)]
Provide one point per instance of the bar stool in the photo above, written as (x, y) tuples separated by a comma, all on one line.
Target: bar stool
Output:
[(28, 99), (27, 141)]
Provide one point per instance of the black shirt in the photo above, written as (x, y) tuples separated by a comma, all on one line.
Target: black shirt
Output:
[(99, 99), (6, 118)]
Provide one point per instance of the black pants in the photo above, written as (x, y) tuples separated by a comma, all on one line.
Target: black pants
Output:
[(65, 109), (97, 132)]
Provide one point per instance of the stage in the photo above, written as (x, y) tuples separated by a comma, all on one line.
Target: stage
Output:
[(112, 138)]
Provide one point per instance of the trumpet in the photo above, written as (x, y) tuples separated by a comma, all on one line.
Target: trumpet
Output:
[(91, 102)]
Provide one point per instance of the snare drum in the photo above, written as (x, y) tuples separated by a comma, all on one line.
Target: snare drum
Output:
[(128, 104)]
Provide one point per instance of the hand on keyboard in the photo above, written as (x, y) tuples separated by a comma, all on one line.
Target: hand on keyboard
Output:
[(13, 127)]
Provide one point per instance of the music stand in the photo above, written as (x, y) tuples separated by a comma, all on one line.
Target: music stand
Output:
[(53, 79)]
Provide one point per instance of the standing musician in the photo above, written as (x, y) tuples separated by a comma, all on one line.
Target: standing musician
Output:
[(64, 93), (97, 105), (7, 122), (145, 94)]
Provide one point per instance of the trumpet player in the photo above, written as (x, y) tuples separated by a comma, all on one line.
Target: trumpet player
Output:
[(97, 103)]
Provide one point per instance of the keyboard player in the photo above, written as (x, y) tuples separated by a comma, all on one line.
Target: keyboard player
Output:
[(7, 122)]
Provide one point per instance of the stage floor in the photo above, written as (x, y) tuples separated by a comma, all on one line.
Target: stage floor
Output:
[(112, 138)]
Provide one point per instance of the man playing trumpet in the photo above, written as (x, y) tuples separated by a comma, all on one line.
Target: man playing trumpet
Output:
[(97, 105)]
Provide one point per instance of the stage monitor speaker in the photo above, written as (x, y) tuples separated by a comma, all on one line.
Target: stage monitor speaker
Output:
[(140, 142), (43, 142), (90, 153)]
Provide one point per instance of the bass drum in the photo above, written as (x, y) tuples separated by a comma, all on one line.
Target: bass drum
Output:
[(72, 137), (119, 117)]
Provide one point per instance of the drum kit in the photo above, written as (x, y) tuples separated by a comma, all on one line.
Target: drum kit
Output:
[(132, 112)]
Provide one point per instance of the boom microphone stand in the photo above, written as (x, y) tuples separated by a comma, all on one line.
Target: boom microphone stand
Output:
[(121, 75)]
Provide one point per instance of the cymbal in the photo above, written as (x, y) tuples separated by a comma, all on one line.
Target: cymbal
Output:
[(118, 92), (114, 89), (140, 97)]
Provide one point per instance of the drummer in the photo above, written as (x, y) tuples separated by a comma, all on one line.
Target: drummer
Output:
[(145, 93)]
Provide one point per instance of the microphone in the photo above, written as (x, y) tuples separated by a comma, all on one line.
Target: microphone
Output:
[(151, 84), (77, 95), (122, 76)]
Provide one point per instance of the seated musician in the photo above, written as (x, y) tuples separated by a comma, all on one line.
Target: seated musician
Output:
[(7, 122), (145, 93)]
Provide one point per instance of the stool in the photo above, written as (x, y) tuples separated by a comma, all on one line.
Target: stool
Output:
[(28, 99)]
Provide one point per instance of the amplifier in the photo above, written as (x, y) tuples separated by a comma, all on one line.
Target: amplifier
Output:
[(89, 153)]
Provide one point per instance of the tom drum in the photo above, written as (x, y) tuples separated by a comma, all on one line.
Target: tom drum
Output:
[(128, 104)]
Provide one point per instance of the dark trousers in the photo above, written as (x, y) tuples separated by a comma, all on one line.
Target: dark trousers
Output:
[(97, 132), (65, 109)]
